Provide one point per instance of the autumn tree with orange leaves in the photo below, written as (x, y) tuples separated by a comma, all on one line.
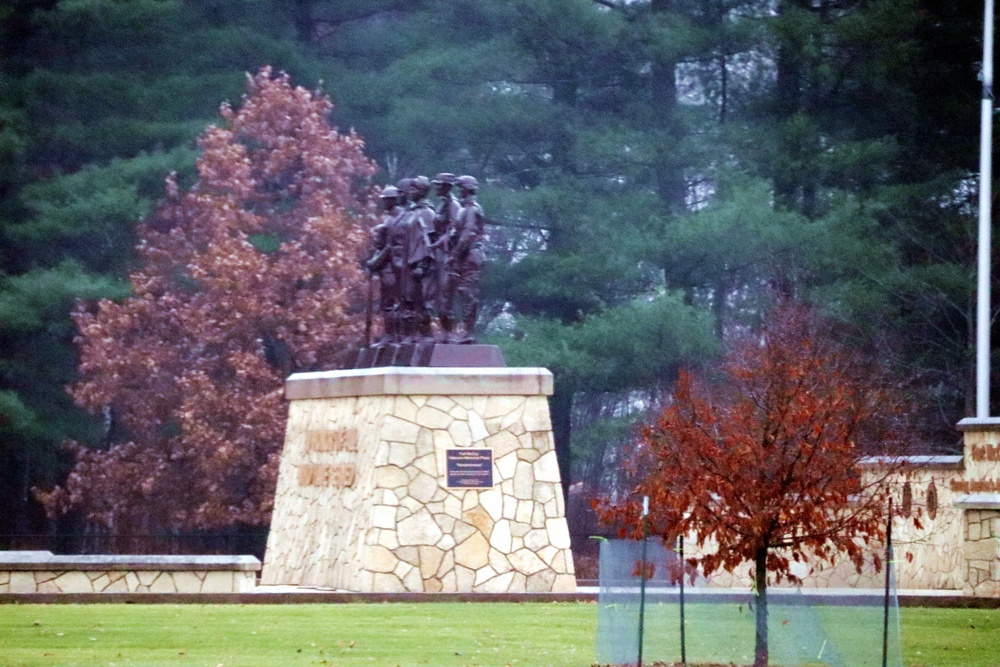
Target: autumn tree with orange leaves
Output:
[(251, 274), (763, 464)]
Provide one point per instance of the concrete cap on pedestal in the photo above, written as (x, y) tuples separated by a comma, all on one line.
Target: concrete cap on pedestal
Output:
[(396, 380), (944, 461), (978, 501), (979, 424)]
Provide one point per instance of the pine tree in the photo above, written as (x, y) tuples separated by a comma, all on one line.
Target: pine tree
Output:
[(659, 162), (98, 101)]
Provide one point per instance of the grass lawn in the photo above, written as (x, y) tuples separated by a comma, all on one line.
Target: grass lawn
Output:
[(933, 637), (444, 634)]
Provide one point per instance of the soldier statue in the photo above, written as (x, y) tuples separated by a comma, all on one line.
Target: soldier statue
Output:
[(386, 261), (418, 223), (467, 257), (442, 238), (428, 260)]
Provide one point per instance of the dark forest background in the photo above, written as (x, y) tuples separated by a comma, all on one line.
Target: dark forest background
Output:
[(654, 172)]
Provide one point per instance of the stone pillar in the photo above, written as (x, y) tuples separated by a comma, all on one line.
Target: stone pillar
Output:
[(420, 479), (982, 552), (980, 498)]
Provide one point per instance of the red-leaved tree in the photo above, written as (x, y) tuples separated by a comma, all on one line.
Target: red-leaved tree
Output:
[(252, 273), (763, 464)]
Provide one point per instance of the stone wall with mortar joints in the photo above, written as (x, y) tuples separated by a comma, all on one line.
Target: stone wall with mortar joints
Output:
[(980, 497), (398, 527), (957, 545), (929, 557), (982, 552), (118, 581), (326, 523)]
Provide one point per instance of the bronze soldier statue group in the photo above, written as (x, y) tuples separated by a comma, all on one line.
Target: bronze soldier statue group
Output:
[(428, 258)]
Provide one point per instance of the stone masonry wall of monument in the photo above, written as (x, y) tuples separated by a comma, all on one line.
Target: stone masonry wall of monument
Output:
[(981, 501), (362, 502), (930, 556), (982, 539)]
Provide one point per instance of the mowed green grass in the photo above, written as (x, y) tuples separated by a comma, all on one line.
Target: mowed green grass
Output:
[(946, 637), (818, 635), (442, 634), (445, 634)]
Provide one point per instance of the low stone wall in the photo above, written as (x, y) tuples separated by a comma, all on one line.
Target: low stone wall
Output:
[(43, 572), (927, 533), (930, 556), (946, 536)]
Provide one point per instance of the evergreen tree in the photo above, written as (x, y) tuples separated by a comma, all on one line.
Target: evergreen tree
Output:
[(724, 150), (100, 100), (868, 108), (660, 164)]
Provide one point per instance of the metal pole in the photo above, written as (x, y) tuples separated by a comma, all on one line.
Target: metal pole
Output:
[(368, 311), (680, 551), (642, 573), (888, 580), (985, 230)]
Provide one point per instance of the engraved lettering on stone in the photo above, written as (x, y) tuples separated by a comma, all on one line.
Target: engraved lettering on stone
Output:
[(976, 486), (327, 474), (342, 440), (983, 453)]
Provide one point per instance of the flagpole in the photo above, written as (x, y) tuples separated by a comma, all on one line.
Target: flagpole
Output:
[(983, 315)]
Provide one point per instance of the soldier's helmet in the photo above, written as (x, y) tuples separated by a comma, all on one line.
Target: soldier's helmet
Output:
[(467, 183), (420, 186), (444, 178), (389, 192), (404, 185)]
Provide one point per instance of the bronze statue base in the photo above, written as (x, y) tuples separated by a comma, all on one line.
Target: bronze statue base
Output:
[(433, 355)]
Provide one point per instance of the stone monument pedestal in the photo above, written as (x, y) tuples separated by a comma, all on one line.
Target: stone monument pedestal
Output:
[(980, 500), (420, 479)]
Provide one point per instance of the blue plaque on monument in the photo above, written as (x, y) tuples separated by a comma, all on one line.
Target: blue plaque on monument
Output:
[(469, 468)]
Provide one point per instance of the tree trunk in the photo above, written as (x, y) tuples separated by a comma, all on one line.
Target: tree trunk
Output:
[(565, 93), (561, 410), (760, 580), (723, 89), (719, 307), (302, 17), (667, 164), (789, 85)]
